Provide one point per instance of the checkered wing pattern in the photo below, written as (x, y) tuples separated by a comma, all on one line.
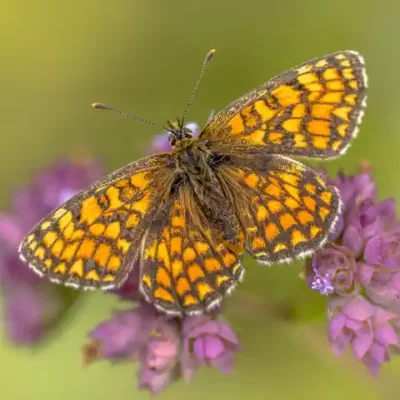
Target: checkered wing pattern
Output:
[(186, 266), (286, 210), (313, 110), (91, 240)]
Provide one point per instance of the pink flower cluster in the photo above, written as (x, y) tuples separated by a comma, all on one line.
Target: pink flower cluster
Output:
[(360, 273)]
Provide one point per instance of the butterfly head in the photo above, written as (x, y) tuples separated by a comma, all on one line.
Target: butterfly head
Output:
[(179, 135)]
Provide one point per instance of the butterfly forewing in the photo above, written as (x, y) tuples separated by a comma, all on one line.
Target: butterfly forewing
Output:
[(313, 110), (92, 240)]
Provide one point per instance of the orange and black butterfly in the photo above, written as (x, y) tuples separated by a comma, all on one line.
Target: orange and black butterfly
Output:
[(190, 214)]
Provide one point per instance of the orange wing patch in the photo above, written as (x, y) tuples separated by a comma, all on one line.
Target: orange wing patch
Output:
[(285, 208), (90, 241), (186, 268), (313, 110)]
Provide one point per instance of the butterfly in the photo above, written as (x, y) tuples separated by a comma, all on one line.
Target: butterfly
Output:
[(188, 216)]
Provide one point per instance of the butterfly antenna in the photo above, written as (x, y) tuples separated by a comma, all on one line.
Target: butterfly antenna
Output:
[(102, 106), (208, 58)]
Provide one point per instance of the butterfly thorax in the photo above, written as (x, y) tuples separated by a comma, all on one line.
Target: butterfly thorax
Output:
[(196, 171), (193, 162), (192, 157)]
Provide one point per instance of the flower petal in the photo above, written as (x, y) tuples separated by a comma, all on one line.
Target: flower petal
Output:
[(226, 332), (385, 335), (358, 309), (361, 344), (353, 240), (189, 365), (225, 362), (354, 325), (366, 271), (208, 348), (339, 344), (122, 335), (373, 365), (336, 324), (154, 381), (373, 250), (377, 352)]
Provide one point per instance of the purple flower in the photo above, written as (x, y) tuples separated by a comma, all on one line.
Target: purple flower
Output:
[(369, 220), (381, 285), (332, 270), (159, 356), (165, 348), (372, 332), (122, 336), (162, 345), (10, 231), (207, 342), (384, 249), (143, 335), (154, 381), (29, 312), (380, 270), (160, 144), (354, 190), (32, 304), (360, 273), (322, 284)]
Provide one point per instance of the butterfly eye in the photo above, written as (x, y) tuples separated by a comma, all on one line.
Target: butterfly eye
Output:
[(187, 133), (172, 139)]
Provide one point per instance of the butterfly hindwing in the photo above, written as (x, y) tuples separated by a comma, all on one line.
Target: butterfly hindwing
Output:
[(313, 110), (186, 267), (91, 240), (285, 208)]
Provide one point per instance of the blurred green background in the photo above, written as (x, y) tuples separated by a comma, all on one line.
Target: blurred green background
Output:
[(144, 56)]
